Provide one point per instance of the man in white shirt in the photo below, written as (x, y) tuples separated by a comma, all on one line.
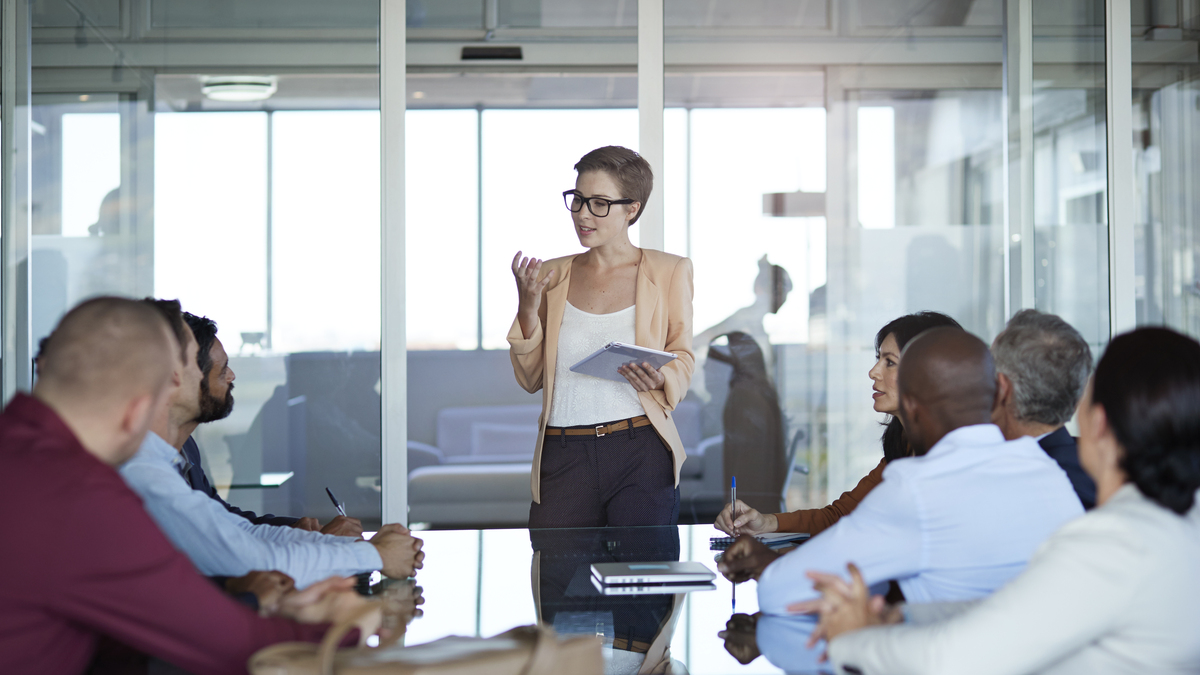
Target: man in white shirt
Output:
[(221, 543), (955, 522)]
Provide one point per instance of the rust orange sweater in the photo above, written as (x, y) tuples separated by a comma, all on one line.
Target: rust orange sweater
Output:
[(813, 521)]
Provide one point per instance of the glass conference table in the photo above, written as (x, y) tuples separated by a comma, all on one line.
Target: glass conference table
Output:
[(484, 582)]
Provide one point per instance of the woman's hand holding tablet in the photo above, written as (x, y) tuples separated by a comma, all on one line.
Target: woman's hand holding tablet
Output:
[(643, 377)]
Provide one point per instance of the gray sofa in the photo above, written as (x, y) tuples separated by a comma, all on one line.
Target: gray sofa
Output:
[(478, 472)]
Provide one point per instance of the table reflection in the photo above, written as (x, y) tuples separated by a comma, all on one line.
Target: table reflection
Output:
[(635, 630), (485, 582)]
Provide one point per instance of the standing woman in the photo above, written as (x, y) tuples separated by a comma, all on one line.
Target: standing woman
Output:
[(608, 453)]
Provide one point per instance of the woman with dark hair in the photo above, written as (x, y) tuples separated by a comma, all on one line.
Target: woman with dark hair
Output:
[(889, 343), (1114, 591)]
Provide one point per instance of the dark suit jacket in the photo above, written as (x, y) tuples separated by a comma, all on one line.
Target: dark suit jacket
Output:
[(199, 481), (1061, 446)]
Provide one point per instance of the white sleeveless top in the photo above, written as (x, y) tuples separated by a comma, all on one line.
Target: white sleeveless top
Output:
[(583, 399)]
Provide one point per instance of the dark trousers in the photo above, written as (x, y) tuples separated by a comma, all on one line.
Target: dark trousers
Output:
[(625, 478)]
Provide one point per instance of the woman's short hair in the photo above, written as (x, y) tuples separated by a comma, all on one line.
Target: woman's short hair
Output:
[(628, 169), (905, 328), (1148, 382)]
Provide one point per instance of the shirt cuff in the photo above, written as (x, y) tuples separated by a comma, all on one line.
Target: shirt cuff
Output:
[(366, 555)]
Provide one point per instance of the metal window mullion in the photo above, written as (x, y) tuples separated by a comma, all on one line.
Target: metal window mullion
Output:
[(1118, 68), (1019, 288), (393, 350), (15, 220), (650, 115), (479, 227), (270, 336)]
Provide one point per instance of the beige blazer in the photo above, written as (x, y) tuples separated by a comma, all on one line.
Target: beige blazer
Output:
[(662, 320)]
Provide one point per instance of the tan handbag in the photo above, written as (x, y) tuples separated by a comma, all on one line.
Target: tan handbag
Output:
[(528, 650)]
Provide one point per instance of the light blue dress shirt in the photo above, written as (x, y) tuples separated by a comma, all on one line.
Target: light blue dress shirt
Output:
[(954, 524), (221, 543)]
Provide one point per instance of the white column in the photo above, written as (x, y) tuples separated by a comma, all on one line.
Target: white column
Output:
[(1018, 157), (650, 115), (16, 372), (1118, 88), (393, 350)]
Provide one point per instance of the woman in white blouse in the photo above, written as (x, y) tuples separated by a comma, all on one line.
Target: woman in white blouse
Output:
[(1115, 591), (608, 452)]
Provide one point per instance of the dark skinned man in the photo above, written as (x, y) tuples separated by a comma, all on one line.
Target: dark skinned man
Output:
[(955, 522)]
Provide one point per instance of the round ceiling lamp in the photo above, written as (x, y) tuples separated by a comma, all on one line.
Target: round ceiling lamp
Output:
[(240, 88)]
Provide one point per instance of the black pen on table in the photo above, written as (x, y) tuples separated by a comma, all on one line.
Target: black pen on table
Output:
[(733, 514), (336, 504)]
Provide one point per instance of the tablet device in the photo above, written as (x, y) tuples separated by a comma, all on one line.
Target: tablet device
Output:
[(652, 589), (604, 362), (651, 573)]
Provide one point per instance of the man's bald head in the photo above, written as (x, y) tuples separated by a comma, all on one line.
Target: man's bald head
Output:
[(946, 380), (106, 352)]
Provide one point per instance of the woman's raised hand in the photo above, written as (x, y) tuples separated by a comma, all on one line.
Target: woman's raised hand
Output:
[(529, 290)]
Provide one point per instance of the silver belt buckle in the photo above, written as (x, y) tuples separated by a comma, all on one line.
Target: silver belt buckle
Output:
[(598, 432)]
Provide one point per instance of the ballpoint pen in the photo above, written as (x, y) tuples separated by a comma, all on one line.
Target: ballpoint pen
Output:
[(336, 504), (733, 515)]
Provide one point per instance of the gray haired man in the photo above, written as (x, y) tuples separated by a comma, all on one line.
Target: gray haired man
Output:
[(1042, 367)]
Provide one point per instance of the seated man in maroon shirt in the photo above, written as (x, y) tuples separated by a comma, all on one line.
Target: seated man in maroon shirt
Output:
[(93, 563)]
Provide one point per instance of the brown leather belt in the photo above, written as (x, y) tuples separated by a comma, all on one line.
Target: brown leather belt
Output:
[(601, 430)]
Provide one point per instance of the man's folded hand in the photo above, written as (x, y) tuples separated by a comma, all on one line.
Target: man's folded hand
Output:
[(745, 559)]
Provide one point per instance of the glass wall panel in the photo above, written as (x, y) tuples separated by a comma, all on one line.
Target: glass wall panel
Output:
[(81, 231), (460, 14), (488, 156), (1070, 167), (746, 13), (920, 229), (534, 176), (55, 14), (253, 201), (225, 155), (183, 14), (441, 224), (567, 13), (1166, 124), (929, 13)]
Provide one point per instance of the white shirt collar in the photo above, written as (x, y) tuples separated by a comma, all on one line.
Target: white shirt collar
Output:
[(156, 448), (975, 434)]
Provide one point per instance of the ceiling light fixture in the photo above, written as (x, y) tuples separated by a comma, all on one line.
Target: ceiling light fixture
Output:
[(239, 87)]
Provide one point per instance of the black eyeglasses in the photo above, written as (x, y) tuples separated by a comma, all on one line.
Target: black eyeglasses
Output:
[(599, 206)]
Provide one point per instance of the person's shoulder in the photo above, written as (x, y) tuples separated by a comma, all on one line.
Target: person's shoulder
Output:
[(1059, 438), (663, 266), (662, 259), (1122, 534), (559, 262), (146, 456)]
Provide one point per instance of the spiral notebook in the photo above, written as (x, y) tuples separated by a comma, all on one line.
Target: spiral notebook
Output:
[(772, 540), (604, 361)]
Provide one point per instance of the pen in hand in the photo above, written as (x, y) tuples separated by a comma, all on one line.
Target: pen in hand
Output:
[(336, 504)]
